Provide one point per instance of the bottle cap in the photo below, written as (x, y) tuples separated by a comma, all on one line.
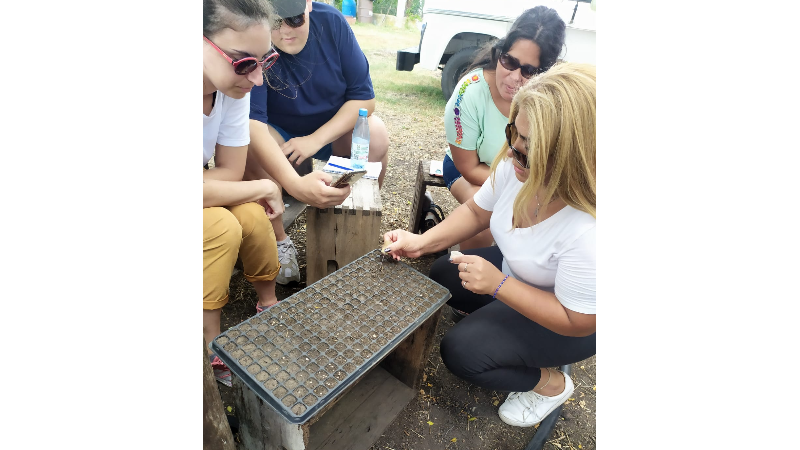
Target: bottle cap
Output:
[(362, 112)]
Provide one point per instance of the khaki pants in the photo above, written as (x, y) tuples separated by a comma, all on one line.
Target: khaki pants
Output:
[(230, 232)]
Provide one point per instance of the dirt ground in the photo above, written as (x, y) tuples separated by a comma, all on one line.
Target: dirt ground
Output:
[(463, 416)]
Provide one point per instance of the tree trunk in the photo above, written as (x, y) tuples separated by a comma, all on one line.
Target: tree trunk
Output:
[(401, 8), (216, 431)]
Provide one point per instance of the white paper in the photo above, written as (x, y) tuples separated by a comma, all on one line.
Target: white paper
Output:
[(436, 168), (373, 168)]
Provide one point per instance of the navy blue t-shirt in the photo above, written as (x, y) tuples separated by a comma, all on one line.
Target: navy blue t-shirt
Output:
[(304, 91)]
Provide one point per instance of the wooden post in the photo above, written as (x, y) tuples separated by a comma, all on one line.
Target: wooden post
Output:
[(400, 22), (216, 431), (407, 361), (260, 427)]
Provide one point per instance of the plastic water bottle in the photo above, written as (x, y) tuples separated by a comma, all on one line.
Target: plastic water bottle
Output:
[(359, 151)]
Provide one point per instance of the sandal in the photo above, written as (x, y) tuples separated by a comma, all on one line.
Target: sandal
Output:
[(221, 371)]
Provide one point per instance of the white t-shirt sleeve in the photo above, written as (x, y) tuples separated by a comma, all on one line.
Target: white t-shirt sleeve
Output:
[(486, 197), (575, 277), (234, 130)]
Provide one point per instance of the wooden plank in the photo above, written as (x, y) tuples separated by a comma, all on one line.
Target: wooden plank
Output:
[(416, 205), (431, 180), (320, 242), (260, 427), (345, 405), (424, 179), (360, 418), (407, 361), (355, 238), (377, 206), (292, 211), (316, 417), (375, 217), (361, 193), (216, 431)]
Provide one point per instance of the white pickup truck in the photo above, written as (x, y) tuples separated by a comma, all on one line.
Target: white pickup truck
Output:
[(452, 31)]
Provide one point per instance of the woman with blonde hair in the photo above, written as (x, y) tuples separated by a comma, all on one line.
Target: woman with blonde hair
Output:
[(530, 300)]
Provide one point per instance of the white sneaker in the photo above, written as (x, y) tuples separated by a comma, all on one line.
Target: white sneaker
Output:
[(290, 270), (526, 409)]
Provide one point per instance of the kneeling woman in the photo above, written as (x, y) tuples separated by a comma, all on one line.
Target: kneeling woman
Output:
[(530, 300)]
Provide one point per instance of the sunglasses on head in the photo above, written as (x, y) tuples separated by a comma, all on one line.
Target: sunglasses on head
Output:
[(246, 65), (511, 130), (293, 22), (512, 64)]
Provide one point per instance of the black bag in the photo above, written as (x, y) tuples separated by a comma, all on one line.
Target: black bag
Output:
[(432, 214)]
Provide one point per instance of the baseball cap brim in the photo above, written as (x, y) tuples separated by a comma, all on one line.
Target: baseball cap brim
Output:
[(289, 8)]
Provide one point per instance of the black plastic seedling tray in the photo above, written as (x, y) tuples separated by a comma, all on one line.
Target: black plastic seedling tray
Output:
[(302, 353)]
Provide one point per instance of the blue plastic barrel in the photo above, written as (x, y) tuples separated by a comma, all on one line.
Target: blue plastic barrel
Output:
[(349, 8)]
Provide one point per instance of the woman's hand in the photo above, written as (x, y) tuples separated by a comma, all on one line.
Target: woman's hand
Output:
[(271, 199), (315, 190), (300, 148), (477, 274), (404, 244)]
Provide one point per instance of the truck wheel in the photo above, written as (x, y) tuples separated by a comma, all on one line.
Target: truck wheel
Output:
[(452, 70)]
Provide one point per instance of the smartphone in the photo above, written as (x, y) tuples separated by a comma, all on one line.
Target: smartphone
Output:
[(349, 178)]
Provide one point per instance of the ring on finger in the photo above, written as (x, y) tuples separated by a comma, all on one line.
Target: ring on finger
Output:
[(464, 284)]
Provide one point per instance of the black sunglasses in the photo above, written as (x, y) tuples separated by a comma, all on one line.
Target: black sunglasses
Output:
[(511, 129), (293, 22), (512, 64)]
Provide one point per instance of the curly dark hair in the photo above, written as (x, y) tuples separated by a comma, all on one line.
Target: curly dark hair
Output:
[(541, 25)]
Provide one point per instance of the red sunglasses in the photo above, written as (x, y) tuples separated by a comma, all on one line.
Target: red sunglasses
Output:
[(246, 65)]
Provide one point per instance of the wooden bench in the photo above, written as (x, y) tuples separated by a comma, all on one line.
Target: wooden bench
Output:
[(424, 179), (357, 418), (339, 235), (358, 415)]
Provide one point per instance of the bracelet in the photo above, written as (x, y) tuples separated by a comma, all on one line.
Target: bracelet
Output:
[(498, 287)]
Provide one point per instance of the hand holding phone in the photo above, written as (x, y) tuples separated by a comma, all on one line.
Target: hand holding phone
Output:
[(349, 178)]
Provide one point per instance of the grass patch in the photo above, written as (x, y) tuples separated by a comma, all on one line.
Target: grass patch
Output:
[(420, 87)]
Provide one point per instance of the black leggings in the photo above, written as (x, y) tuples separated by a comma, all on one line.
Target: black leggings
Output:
[(495, 347)]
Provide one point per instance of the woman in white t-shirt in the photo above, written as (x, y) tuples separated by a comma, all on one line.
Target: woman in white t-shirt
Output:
[(237, 49), (531, 299)]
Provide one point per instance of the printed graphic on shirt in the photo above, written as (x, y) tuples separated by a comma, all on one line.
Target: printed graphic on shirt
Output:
[(457, 109)]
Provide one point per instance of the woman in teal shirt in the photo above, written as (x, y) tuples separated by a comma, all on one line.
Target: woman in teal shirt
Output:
[(477, 113)]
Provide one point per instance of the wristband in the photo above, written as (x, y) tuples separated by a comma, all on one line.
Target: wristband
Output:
[(498, 287)]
